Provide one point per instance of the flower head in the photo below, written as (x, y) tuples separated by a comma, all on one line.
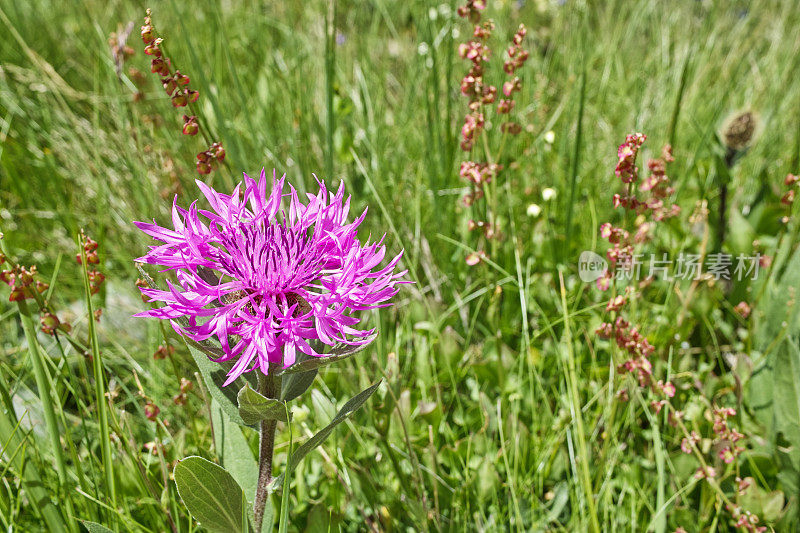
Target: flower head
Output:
[(266, 281)]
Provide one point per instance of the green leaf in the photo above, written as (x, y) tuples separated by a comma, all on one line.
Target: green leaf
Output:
[(299, 377), (787, 397), (338, 353), (214, 375), (293, 385), (234, 452), (94, 527), (344, 413), (323, 406), (777, 316), (254, 407), (210, 493)]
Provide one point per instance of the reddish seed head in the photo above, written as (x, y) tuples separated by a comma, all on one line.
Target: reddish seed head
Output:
[(616, 303), (148, 34), (510, 87), (473, 258), (505, 106), (788, 198), (186, 385), (153, 49), (25, 277), (17, 295), (743, 484), (151, 411), (180, 99), (604, 330), (163, 351), (217, 151), (203, 168), (170, 85), (790, 180), (667, 388), (179, 399), (160, 66), (89, 245), (96, 279), (49, 323), (604, 282), (489, 95), (742, 309), (190, 126), (181, 79), (658, 405)]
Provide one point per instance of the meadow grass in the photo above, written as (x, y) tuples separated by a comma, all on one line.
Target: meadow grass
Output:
[(498, 410)]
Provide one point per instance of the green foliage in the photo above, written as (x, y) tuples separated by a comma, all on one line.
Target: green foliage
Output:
[(211, 494), (234, 452), (94, 527), (253, 407)]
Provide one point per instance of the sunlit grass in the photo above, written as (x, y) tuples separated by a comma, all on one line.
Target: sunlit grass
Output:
[(498, 411)]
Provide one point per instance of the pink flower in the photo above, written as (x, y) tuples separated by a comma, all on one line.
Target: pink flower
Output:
[(270, 279)]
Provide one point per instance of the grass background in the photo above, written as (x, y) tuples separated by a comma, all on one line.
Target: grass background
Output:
[(475, 428)]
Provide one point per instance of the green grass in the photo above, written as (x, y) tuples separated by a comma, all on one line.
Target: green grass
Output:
[(499, 409)]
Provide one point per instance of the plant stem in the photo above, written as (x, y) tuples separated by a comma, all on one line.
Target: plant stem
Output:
[(572, 386), (330, 62), (100, 386), (44, 385), (723, 219), (574, 165), (267, 387)]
